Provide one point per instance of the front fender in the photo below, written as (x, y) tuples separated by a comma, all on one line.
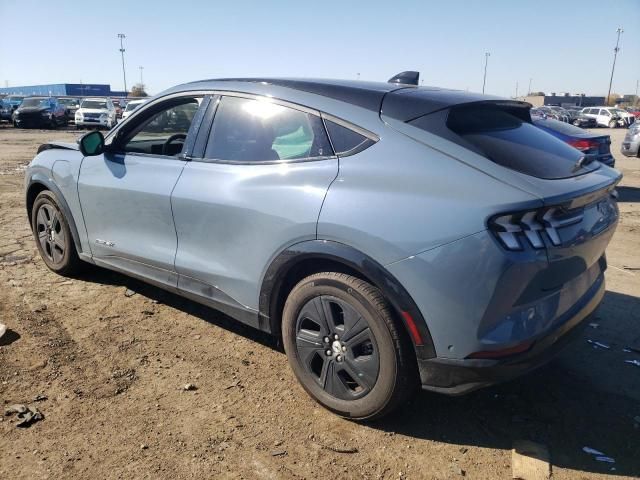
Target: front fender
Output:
[(39, 180)]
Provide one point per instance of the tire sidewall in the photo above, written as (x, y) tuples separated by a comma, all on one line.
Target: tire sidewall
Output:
[(382, 392), (47, 197)]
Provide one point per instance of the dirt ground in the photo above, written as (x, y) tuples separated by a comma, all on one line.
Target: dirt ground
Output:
[(110, 370)]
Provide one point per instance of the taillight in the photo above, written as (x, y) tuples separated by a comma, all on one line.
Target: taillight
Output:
[(514, 229), (583, 145)]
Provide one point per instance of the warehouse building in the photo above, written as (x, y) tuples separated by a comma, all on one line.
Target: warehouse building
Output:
[(65, 89)]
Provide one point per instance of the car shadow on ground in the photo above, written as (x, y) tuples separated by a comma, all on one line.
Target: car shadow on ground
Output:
[(628, 194), (558, 405)]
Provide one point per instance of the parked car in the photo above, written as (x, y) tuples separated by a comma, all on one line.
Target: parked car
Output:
[(635, 111), (71, 106), (392, 235), (608, 116), (578, 119), (552, 113), (131, 106), (9, 105), (39, 112), (563, 115), (631, 142), (96, 112), (599, 146)]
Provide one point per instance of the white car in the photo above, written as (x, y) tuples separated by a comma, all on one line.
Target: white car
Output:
[(609, 116), (131, 106), (96, 112)]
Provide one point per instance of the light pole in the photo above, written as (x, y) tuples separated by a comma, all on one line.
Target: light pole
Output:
[(529, 92), (141, 80), (121, 36), (486, 60), (615, 54)]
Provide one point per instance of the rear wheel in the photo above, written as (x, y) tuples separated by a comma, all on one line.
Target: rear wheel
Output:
[(344, 346), (53, 236)]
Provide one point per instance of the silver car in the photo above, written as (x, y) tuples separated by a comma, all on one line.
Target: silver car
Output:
[(393, 236), (631, 143)]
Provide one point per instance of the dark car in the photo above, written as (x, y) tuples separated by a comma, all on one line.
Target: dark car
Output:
[(9, 105), (579, 119), (588, 143), (70, 105), (40, 112)]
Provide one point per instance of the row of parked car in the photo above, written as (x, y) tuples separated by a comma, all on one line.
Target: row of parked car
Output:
[(52, 112), (590, 117)]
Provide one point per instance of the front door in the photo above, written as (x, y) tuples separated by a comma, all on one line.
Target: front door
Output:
[(125, 193)]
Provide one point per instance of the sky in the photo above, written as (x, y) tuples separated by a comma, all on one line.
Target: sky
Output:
[(561, 45)]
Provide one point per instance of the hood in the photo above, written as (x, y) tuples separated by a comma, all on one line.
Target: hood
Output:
[(32, 109), (93, 110), (59, 145)]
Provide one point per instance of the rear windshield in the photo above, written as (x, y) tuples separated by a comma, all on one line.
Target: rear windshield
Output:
[(507, 138)]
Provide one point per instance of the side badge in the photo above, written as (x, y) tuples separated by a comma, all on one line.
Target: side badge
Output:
[(105, 243)]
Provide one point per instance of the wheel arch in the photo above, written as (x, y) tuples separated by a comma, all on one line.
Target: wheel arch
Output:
[(38, 183), (314, 256)]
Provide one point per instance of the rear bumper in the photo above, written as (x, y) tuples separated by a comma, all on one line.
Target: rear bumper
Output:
[(455, 377)]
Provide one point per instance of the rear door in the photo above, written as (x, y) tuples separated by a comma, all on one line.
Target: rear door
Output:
[(126, 192), (256, 188)]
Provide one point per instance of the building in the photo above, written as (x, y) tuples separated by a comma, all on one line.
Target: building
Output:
[(65, 89), (564, 100)]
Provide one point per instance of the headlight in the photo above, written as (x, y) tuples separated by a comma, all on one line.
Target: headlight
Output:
[(79, 115)]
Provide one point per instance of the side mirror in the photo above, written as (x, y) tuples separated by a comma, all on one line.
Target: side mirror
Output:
[(91, 143)]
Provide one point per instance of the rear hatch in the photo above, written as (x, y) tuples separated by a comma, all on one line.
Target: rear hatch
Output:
[(496, 136)]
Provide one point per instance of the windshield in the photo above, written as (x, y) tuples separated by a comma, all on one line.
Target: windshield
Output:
[(99, 104), (132, 106), (13, 99), (36, 102), (68, 101)]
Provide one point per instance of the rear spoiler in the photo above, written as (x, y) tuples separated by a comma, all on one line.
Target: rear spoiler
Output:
[(58, 145), (409, 77)]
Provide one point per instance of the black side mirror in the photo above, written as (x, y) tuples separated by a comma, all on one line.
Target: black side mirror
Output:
[(91, 143)]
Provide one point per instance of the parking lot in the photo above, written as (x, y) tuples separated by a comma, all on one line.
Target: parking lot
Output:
[(109, 358)]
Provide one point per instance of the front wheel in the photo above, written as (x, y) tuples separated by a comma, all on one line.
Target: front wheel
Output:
[(613, 124), (53, 236), (345, 348)]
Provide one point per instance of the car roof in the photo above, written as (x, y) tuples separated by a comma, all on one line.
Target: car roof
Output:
[(409, 100)]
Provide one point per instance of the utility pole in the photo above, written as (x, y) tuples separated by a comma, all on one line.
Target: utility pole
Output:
[(516, 89), (615, 54), (358, 76), (637, 82), (141, 79), (122, 36), (529, 92), (486, 60)]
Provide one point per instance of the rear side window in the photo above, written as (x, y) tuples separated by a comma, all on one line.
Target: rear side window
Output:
[(246, 130), (346, 141), (504, 136)]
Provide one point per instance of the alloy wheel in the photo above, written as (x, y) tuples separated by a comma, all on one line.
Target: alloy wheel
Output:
[(50, 233)]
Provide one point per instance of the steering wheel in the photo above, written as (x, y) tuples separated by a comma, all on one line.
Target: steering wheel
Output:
[(170, 140)]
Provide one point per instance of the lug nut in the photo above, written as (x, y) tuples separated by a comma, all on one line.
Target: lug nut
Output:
[(344, 348), (335, 337), (326, 339), (328, 352), (339, 358)]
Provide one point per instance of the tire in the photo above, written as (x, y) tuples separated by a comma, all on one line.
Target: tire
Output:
[(52, 235), (367, 368), (613, 124)]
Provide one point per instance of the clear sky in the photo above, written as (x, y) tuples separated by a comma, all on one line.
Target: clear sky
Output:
[(562, 45)]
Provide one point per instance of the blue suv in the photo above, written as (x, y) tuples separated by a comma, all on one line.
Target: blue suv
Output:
[(391, 235)]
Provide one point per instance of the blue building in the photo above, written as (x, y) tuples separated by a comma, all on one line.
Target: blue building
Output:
[(65, 89)]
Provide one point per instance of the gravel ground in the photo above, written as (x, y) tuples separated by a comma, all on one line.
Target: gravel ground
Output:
[(110, 371)]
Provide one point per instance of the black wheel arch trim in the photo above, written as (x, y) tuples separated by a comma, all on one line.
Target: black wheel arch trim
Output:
[(275, 277), (48, 184)]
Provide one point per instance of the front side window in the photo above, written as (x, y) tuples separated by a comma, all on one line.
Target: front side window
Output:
[(246, 130), (165, 131), (605, 113)]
